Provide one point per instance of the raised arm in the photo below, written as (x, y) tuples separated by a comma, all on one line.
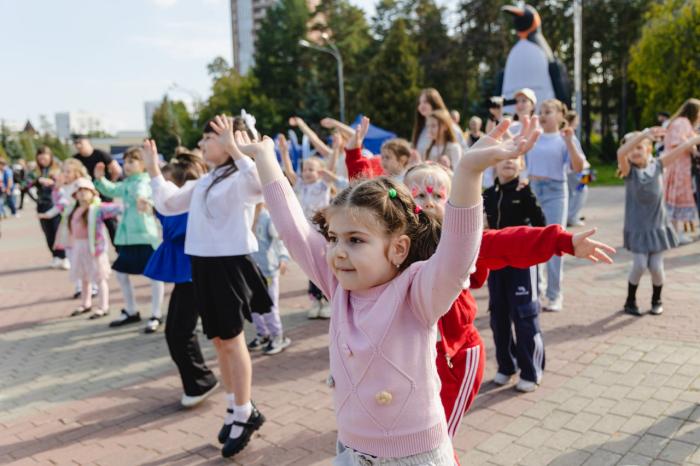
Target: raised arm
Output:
[(287, 166), (306, 245), (106, 187), (578, 160), (670, 156), (316, 141), (649, 133), (442, 277), (167, 197), (332, 123)]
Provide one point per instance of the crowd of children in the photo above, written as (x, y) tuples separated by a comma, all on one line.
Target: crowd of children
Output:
[(391, 243)]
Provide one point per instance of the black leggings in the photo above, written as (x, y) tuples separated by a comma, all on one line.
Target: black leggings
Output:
[(183, 344), (50, 227)]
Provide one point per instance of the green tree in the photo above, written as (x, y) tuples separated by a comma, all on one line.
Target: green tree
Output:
[(173, 126), (665, 62), (391, 83), (280, 63)]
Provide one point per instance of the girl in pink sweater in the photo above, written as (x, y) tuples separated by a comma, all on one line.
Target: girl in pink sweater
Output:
[(371, 260)]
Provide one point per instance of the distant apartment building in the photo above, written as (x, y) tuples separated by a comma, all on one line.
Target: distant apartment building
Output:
[(246, 16), (68, 123)]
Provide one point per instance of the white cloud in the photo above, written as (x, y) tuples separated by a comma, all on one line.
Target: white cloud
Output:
[(164, 3)]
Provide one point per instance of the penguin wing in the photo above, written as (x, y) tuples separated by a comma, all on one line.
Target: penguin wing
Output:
[(560, 81)]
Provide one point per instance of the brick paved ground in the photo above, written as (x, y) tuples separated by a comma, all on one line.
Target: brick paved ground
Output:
[(617, 389)]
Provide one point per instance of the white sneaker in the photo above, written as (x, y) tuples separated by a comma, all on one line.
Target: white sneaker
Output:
[(325, 311), (314, 311), (191, 401), (554, 305), (65, 264), (502, 379), (277, 345), (56, 263), (525, 386), (684, 239)]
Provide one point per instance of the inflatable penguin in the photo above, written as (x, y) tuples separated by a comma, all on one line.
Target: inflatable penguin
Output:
[(531, 63)]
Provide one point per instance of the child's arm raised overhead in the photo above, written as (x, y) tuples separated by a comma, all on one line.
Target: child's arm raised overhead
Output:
[(106, 187), (287, 166), (622, 163), (331, 123), (167, 197), (440, 280), (316, 141), (306, 245), (578, 160), (669, 156)]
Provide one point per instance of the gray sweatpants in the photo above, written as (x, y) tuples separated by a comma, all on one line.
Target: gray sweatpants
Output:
[(653, 261)]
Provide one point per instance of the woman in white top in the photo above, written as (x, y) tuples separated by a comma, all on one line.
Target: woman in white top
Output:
[(430, 100), (228, 285), (442, 147)]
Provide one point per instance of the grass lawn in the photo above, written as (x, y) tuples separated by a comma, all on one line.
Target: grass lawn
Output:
[(605, 175)]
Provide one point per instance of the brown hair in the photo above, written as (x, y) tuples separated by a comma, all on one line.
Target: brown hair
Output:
[(397, 214), (690, 110), (435, 100), (397, 146), (52, 167), (557, 105), (443, 118), (133, 153), (570, 116), (185, 167)]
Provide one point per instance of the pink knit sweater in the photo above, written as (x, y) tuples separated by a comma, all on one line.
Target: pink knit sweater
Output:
[(382, 340)]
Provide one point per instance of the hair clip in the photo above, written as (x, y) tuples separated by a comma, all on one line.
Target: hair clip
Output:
[(417, 209), (392, 193)]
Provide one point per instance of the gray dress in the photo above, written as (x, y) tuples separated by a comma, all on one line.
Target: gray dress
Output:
[(647, 229)]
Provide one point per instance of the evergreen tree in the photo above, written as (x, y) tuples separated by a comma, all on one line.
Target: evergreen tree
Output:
[(173, 126), (391, 85)]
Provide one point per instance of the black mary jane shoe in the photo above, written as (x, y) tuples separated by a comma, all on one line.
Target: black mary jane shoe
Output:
[(225, 429), (236, 445)]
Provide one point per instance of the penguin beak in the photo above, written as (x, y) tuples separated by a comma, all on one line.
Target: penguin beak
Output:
[(513, 10)]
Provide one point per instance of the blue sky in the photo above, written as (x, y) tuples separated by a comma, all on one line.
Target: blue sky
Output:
[(107, 57)]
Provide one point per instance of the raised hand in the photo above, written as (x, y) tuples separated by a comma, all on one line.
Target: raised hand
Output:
[(568, 134), (247, 147), (328, 123), (282, 144), (587, 248), (99, 170), (338, 140), (293, 121), (355, 142), (150, 157), (655, 133), (223, 127)]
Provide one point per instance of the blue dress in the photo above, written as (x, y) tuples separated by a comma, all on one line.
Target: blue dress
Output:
[(169, 263)]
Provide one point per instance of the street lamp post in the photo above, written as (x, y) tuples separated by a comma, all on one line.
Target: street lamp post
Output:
[(333, 50)]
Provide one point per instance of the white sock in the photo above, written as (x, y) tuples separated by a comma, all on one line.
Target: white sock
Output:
[(157, 291), (231, 402), (127, 292), (240, 414)]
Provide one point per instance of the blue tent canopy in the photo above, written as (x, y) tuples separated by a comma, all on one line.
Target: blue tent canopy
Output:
[(375, 136)]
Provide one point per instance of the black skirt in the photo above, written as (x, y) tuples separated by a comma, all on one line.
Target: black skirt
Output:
[(132, 259), (227, 290)]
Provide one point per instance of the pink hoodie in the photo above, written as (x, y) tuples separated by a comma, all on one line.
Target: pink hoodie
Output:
[(382, 340)]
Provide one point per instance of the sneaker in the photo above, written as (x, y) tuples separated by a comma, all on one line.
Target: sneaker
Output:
[(125, 318), (97, 313), (554, 305), (225, 429), (684, 239), (632, 309), (277, 345), (236, 445), (325, 311), (502, 379), (56, 263), (656, 309), (525, 386), (314, 311), (258, 343), (65, 264), (80, 310), (152, 325), (191, 401)]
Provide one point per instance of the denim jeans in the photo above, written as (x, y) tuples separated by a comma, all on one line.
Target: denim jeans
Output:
[(577, 197), (553, 197)]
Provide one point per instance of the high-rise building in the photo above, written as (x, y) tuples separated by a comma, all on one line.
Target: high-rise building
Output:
[(68, 123), (246, 16)]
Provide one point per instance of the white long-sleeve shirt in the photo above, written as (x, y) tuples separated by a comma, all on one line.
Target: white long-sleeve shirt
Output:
[(221, 224)]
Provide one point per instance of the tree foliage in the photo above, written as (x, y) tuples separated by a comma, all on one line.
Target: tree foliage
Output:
[(173, 126), (665, 62)]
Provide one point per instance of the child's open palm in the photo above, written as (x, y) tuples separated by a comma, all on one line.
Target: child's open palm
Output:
[(150, 155), (247, 147), (99, 170), (355, 142), (587, 248), (223, 127), (492, 148)]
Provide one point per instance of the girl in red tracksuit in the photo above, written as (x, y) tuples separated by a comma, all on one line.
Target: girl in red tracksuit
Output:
[(461, 354)]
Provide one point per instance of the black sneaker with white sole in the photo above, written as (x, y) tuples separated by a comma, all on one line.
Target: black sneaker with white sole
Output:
[(258, 343), (236, 445), (125, 318), (277, 345)]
